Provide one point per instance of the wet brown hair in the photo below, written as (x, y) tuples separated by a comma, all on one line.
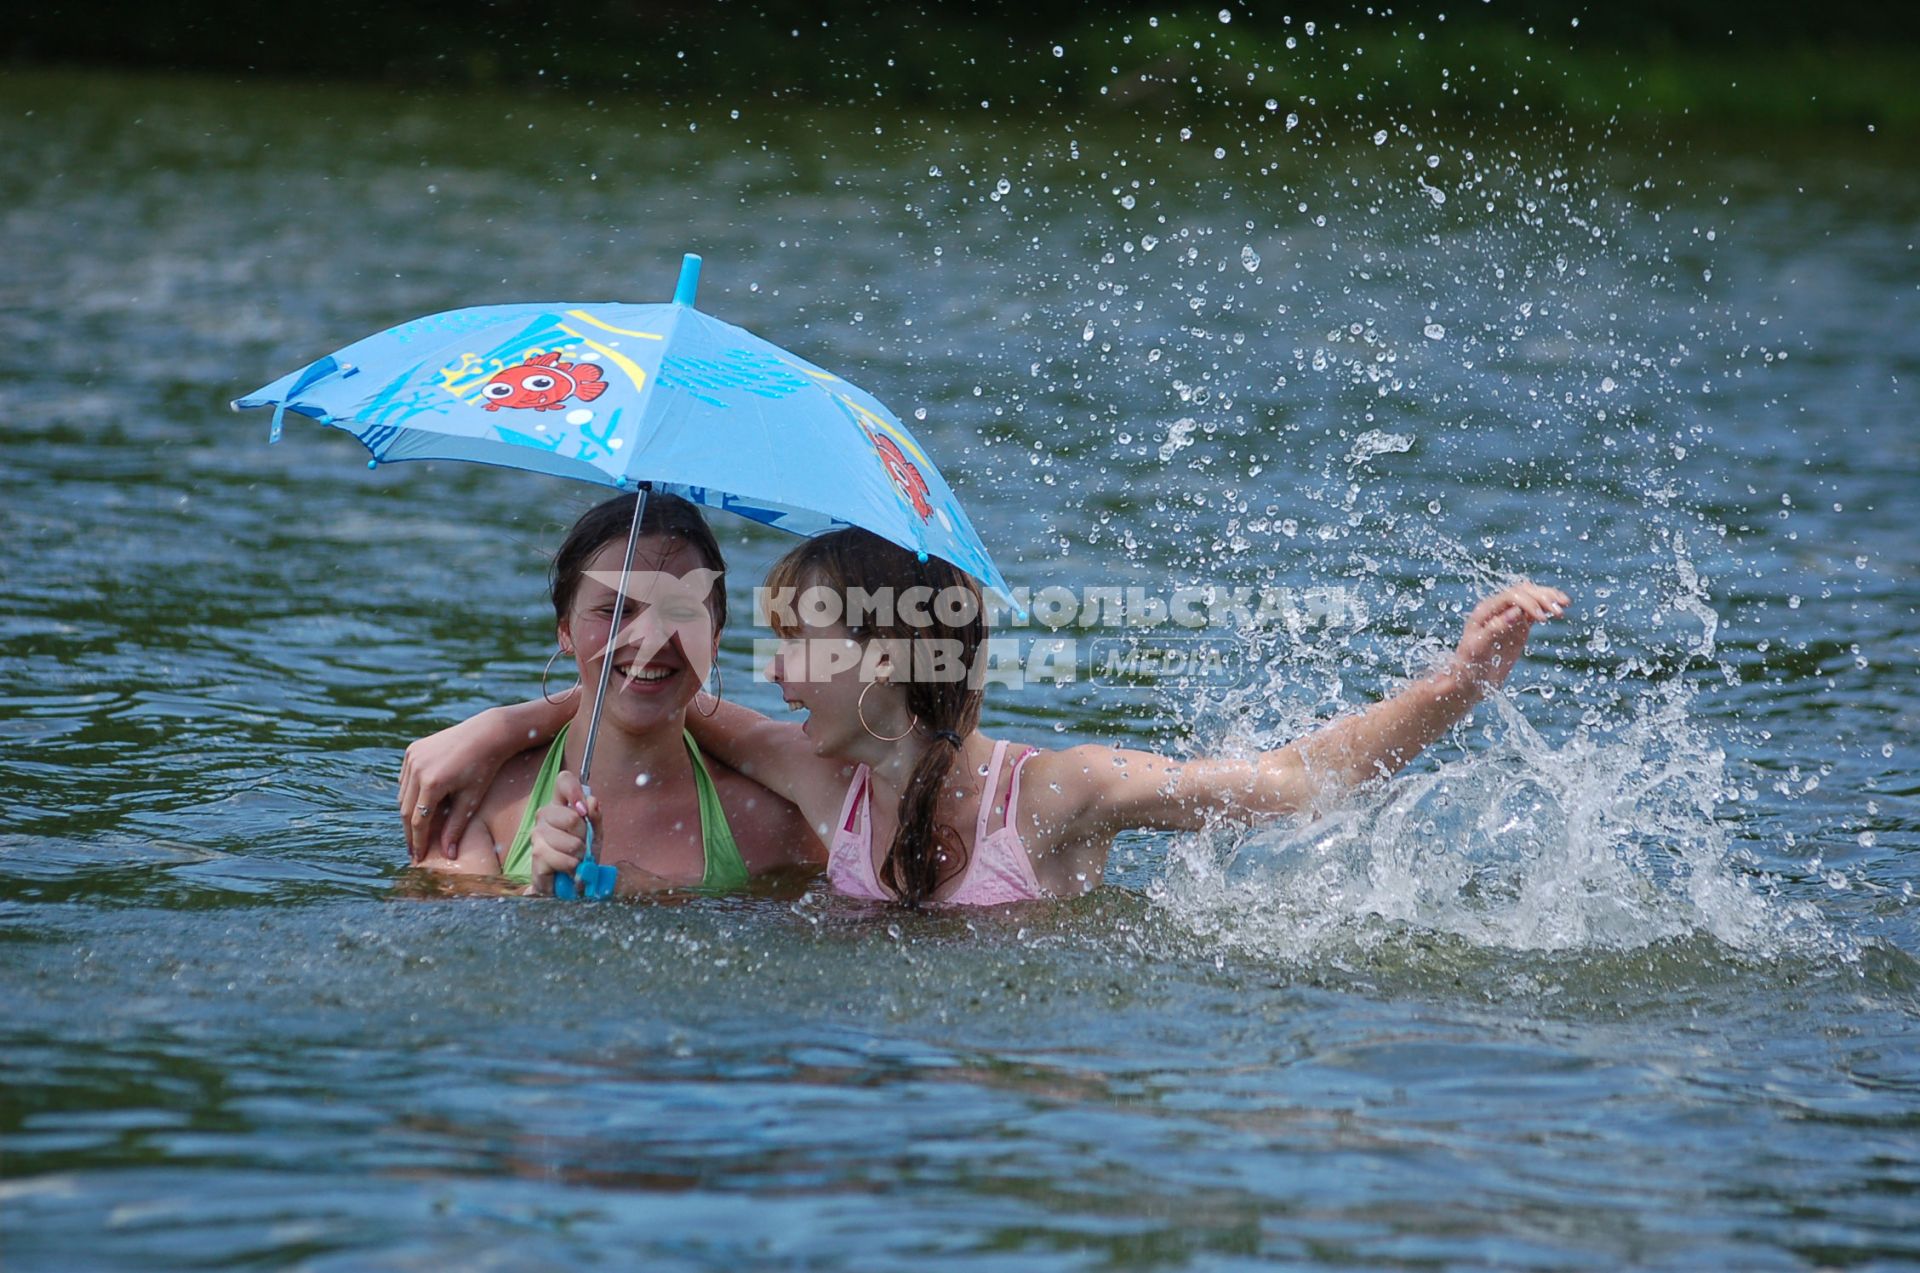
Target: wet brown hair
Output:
[(923, 855), (611, 521)]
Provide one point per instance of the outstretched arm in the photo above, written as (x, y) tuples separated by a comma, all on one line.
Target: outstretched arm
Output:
[(1115, 789), (444, 776)]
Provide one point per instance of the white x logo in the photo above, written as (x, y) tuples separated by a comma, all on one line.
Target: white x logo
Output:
[(660, 606)]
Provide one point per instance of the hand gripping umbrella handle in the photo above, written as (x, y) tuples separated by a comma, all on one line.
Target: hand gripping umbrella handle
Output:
[(589, 880)]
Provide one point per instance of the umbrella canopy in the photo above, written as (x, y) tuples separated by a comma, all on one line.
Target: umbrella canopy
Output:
[(621, 394), (650, 397)]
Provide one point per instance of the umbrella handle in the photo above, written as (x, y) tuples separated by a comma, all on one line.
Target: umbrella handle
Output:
[(589, 880)]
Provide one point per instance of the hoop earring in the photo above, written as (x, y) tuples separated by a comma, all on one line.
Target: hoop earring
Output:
[(718, 689), (544, 673), (860, 710)]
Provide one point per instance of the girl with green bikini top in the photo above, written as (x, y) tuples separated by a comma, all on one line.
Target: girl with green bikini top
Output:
[(674, 820), (882, 745)]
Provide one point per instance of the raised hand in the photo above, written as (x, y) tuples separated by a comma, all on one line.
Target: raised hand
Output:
[(1497, 631)]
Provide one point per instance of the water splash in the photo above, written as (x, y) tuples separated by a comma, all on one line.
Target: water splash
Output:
[(1608, 842)]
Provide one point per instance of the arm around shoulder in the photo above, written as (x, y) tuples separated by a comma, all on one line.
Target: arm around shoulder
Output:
[(775, 754), (445, 777)]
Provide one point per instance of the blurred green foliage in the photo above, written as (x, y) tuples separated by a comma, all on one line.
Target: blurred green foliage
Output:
[(1763, 61)]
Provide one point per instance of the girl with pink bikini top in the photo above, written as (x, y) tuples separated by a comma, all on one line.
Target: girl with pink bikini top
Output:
[(890, 753), (999, 869)]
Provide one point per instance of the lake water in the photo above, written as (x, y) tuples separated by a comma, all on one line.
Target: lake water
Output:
[(1624, 972)]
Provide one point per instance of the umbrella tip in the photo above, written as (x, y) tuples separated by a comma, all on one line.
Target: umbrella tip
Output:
[(689, 280)]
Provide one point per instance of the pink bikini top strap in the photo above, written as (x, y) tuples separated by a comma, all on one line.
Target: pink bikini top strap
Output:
[(1013, 791), (855, 790), (992, 788)]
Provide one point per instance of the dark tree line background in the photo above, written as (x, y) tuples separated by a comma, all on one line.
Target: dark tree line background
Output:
[(1779, 59)]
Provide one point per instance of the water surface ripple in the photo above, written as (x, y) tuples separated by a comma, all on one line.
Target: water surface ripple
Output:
[(1624, 973)]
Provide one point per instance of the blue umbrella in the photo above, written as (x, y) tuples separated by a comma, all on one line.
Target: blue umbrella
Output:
[(647, 397)]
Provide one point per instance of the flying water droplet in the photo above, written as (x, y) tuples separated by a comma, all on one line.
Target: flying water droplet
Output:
[(1378, 442), (1250, 259), (1179, 437), (1436, 332)]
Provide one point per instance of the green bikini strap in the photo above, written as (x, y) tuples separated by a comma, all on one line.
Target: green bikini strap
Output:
[(725, 867), (517, 865)]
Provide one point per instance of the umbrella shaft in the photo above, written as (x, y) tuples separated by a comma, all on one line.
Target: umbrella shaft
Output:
[(613, 633)]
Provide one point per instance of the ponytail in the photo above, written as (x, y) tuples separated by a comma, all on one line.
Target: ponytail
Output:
[(925, 854)]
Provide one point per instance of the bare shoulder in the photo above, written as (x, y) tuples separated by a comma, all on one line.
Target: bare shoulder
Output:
[(1056, 788), (770, 830), (507, 798), (1074, 801), (495, 821), (1068, 782), (1059, 790)]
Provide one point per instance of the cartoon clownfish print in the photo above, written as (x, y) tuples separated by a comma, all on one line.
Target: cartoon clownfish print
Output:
[(543, 383), (906, 478)]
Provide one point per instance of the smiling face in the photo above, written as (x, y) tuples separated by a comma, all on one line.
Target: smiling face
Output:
[(667, 636), (823, 671)]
